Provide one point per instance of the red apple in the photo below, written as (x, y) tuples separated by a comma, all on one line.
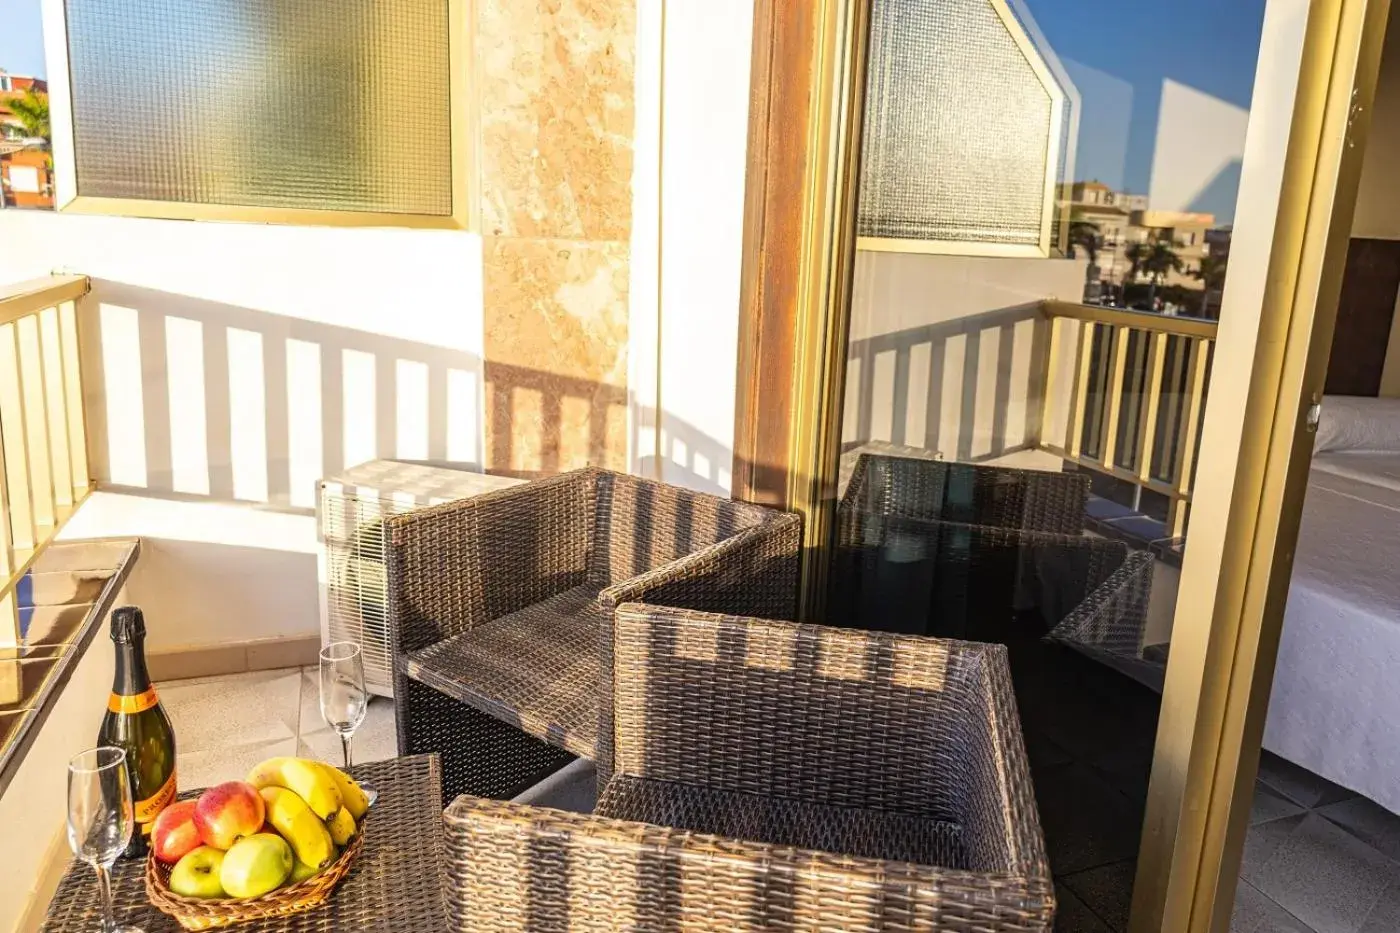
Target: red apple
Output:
[(227, 812), (174, 833)]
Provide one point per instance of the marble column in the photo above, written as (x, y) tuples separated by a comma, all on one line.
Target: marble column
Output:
[(555, 108)]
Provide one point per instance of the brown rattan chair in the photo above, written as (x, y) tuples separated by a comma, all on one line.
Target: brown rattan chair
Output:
[(498, 607), (773, 776), (1086, 592), (972, 494)]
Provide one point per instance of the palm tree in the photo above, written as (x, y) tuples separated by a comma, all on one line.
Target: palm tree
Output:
[(1155, 259), (1136, 254), (1211, 274), (32, 110), (1085, 235)]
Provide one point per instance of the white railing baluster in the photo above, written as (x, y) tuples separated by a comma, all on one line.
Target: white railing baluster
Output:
[(43, 446), (56, 405), (73, 396), (1164, 468)]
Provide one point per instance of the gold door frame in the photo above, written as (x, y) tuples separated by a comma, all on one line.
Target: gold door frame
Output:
[(463, 117), (1271, 358)]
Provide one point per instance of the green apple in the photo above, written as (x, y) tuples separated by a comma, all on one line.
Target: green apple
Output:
[(301, 871), (197, 873), (255, 865)]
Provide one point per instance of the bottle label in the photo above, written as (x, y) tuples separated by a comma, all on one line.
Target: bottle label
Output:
[(147, 810), (136, 703)]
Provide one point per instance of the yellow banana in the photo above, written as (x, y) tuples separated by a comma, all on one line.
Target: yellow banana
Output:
[(307, 779), (293, 819), (341, 826), (351, 794)]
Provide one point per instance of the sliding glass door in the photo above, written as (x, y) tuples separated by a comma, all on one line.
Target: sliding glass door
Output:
[(1083, 297)]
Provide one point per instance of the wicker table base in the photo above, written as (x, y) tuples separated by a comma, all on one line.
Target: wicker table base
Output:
[(394, 885)]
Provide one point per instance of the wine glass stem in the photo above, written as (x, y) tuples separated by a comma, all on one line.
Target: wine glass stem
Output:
[(345, 738), (104, 887)]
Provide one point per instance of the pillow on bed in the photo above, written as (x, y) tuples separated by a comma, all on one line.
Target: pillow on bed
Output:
[(1357, 423)]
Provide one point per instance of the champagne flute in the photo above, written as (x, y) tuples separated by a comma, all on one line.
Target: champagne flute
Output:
[(344, 698), (100, 818)]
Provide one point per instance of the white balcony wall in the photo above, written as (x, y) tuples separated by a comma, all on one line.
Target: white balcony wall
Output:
[(687, 244), (229, 367), (945, 349)]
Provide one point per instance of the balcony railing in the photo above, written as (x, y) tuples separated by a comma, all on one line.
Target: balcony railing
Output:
[(1124, 395), (43, 440)]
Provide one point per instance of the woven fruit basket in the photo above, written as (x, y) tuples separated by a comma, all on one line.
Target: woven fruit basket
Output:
[(195, 913)]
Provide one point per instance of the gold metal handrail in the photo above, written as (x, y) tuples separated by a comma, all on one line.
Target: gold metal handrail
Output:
[(1136, 394), (1137, 320), (43, 437)]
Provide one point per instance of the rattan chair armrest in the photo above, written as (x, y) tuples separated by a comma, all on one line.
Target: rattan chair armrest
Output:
[(455, 566), (512, 866), (754, 572), (1114, 616)]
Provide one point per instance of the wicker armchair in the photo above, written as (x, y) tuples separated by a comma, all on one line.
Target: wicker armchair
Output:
[(772, 776), (1002, 497), (1086, 592), (498, 607)]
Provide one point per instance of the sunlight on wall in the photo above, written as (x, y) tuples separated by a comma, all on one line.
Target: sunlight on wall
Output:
[(360, 404), (1200, 144), (463, 405), (411, 379), (121, 365), (305, 458), (247, 411), (189, 444), (704, 148)]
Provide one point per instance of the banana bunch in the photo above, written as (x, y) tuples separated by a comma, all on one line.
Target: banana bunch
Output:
[(317, 808)]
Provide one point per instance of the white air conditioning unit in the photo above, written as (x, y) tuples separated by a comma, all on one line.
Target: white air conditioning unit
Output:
[(350, 513)]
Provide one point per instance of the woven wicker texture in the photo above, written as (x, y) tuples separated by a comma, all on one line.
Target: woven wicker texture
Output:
[(498, 604), (1031, 500), (1086, 592), (393, 886), (828, 757)]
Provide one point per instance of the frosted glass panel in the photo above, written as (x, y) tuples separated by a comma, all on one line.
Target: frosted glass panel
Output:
[(313, 104), (958, 126)]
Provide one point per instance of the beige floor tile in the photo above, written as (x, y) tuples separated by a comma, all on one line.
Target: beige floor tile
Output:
[(228, 763), (233, 710), (375, 740)]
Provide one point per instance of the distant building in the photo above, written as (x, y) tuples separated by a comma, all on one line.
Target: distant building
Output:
[(26, 167), (20, 83), (1187, 234), (1124, 219)]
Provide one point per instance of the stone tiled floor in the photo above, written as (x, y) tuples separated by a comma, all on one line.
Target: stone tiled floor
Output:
[(226, 725), (1318, 858)]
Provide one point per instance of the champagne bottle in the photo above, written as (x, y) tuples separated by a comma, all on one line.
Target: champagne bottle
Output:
[(136, 722)]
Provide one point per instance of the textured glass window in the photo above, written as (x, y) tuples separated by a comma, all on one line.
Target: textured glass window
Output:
[(337, 105), (963, 127)]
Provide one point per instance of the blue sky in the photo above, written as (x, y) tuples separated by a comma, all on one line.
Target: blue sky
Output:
[(1133, 47), (1210, 45), (21, 39)]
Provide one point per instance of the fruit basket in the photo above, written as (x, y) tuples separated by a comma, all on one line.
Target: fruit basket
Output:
[(196, 913), (271, 846)]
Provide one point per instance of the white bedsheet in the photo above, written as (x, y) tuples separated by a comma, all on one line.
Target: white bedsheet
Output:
[(1335, 708)]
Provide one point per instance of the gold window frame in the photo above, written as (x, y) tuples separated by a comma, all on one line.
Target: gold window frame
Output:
[(462, 116), (1050, 198)]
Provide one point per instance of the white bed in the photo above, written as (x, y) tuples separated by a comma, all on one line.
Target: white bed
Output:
[(1335, 708)]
